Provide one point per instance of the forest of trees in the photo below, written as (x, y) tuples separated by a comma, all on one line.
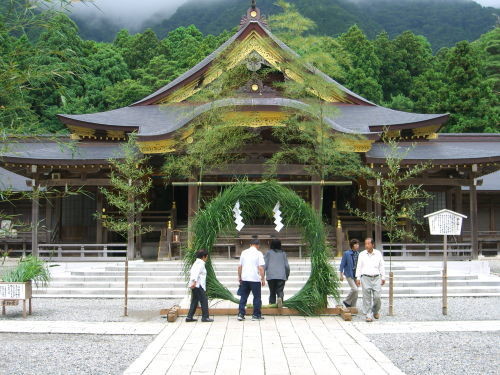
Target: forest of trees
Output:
[(442, 22), (54, 70)]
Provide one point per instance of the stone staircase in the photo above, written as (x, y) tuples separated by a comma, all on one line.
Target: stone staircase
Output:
[(165, 280)]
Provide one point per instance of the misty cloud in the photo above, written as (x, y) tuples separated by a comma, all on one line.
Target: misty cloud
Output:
[(129, 14), (132, 14)]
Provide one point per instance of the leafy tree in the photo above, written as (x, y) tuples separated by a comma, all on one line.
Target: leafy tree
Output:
[(473, 106), (307, 137), (489, 50), (395, 199), (363, 76), (130, 182)]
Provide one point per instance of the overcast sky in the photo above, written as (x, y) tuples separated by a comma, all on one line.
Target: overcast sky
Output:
[(132, 13)]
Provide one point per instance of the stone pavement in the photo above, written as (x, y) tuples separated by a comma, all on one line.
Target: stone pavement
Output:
[(276, 345)]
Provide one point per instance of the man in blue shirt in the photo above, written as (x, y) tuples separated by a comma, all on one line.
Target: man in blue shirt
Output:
[(348, 269)]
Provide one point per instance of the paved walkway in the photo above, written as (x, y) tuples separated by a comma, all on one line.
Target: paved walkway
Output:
[(276, 345)]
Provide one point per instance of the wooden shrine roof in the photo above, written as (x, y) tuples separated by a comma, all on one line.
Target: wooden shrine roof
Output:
[(158, 120)]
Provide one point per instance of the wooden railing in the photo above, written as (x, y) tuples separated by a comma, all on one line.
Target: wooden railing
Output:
[(427, 251), (83, 252)]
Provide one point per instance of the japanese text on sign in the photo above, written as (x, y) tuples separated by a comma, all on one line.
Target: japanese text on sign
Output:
[(445, 224), (12, 291)]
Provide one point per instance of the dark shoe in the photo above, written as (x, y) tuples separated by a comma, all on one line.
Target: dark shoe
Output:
[(346, 304), (257, 317), (376, 316), (189, 320), (280, 302), (207, 320), (369, 320), (241, 317)]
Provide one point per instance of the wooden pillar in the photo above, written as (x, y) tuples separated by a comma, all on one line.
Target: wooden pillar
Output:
[(378, 226), (49, 208), (192, 207), (449, 198), (316, 192), (138, 238), (335, 214), (473, 221), (57, 226), (35, 208), (369, 209), (99, 206), (458, 200)]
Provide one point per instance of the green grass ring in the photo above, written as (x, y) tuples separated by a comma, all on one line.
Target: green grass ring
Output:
[(256, 199)]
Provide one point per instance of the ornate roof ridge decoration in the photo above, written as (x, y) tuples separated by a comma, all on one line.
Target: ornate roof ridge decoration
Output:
[(253, 36), (253, 15)]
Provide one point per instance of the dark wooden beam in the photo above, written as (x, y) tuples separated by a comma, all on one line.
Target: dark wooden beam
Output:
[(77, 182), (432, 182), (258, 169)]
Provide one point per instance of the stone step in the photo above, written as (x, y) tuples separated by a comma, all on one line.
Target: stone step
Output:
[(223, 278), (234, 284), (228, 272), (179, 292)]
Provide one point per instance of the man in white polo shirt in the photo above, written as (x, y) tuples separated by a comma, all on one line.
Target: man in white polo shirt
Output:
[(370, 273), (251, 277)]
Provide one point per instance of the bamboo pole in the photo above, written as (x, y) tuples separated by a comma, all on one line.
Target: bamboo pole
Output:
[(445, 275), (293, 183)]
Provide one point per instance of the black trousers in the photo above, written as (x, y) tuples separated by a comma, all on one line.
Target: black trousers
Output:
[(198, 295), (276, 288)]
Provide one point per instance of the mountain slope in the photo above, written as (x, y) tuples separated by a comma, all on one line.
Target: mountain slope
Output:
[(443, 22)]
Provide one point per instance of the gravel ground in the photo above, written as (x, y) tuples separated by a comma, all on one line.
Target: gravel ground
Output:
[(428, 309), (69, 354), (442, 353), (92, 310)]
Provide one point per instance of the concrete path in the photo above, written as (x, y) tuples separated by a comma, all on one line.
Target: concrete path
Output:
[(276, 345)]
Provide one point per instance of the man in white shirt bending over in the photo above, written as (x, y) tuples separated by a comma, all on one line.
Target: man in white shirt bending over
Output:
[(370, 274), (251, 277)]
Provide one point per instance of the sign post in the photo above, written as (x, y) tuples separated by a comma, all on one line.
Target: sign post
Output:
[(445, 222)]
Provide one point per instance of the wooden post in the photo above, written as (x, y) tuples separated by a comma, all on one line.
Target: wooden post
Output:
[(99, 206), (35, 208), (449, 198), (445, 275), (138, 237), (378, 213), (369, 210), (173, 212), (316, 196), (57, 218), (48, 218), (335, 215), (473, 220), (391, 293), (125, 307), (192, 208)]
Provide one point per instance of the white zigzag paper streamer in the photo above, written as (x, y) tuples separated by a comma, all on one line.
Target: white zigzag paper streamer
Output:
[(238, 219), (277, 217)]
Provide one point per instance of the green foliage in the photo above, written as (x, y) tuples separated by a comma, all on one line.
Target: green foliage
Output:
[(256, 199), (397, 200), (130, 182), (29, 268), (46, 68), (443, 23), (489, 49)]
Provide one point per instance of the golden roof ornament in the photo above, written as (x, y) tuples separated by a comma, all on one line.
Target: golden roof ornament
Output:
[(253, 14)]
